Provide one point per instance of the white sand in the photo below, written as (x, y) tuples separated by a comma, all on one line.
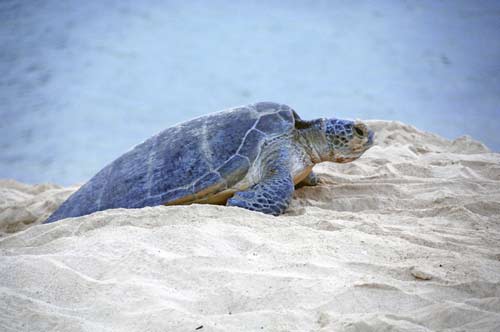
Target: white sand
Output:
[(405, 239)]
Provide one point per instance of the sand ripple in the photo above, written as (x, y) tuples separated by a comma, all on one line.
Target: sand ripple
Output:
[(405, 239)]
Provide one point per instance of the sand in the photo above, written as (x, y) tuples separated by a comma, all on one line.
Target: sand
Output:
[(407, 238)]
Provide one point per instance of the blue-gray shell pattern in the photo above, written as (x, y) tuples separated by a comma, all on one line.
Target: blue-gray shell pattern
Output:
[(212, 150)]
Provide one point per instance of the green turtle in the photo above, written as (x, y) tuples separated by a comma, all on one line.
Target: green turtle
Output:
[(250, 156)]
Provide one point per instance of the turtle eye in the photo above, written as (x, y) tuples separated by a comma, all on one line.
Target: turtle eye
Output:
[(359, 131)]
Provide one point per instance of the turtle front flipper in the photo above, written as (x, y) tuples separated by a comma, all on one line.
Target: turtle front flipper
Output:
[(273, 194), (310, 180)]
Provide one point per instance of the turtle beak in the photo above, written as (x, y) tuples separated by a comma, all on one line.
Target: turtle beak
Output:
[(371, 137)]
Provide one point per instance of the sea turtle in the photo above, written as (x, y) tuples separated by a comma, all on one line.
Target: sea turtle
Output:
[(249, 156)]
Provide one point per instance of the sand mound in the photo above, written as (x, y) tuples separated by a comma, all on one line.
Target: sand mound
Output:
[(405, 239)]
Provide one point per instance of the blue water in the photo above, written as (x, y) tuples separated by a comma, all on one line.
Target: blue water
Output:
[(83, 81)]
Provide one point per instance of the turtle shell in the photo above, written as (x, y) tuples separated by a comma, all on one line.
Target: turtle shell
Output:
[(188, 162)]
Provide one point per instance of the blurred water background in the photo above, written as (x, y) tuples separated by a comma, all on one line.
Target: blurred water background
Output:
[(83, 81)]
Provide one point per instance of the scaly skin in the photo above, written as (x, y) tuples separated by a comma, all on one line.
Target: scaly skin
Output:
[(263, 148), (289, 161)]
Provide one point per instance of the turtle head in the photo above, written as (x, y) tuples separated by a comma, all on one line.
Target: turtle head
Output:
[(347, 140)]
